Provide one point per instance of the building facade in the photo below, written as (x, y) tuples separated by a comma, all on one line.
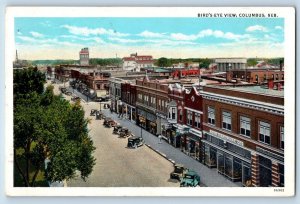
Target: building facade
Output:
[(128, 97), (243, 134), (227, 64), (152, 102), (84, 56), (135, 62)]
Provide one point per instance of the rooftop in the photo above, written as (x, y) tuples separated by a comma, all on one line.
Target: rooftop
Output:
[(255, 89)]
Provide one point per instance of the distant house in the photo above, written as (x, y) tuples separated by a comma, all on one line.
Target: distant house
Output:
[(135, 62)]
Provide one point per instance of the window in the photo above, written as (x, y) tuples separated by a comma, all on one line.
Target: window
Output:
[(180, 114), (245, 126), (281, 137), (189, 115), (159, 103), (277, 77), (264, 132), (211, 115), (226, 122), (173, 114), (256, 78), (197, 120)]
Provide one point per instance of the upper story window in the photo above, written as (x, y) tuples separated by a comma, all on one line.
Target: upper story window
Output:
[(197, 120), (245, 126), (264, 132), (173, 113), (281, 137), (189, 116), (180, 114), (226, 120), (211, 115)]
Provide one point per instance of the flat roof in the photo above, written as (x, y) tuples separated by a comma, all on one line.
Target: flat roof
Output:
[(254, 89)]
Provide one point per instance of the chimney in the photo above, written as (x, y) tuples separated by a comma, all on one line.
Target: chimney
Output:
[(270, 84)]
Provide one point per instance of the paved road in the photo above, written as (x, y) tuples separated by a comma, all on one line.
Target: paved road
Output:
[(119, 166), (209, 177)]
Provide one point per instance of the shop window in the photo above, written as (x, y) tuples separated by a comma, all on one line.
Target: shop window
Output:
[(210, 156), (264, 132), (237, 169), (228, 166), (245, 126), (211, 115), (281, 137), (246, 180), (281, 175), (226, 122), (221, 163), (197, 120)]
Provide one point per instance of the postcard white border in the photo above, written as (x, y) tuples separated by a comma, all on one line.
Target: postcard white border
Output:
[(288, 13)]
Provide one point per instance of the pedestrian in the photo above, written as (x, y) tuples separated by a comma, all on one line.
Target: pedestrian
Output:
[(159, 139)]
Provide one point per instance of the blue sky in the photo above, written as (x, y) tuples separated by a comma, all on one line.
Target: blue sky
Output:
[(62, 38)]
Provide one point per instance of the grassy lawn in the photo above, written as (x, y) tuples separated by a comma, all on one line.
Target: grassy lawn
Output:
[(18, 181)]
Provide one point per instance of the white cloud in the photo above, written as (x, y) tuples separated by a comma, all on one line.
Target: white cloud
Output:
[(207, 33), (256, 28), (149, 34), (278, 27), (36, 34), (75, 37), (85, 31)]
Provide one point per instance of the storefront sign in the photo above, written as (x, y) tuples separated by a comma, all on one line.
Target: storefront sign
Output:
[(226, 138), (270, 154), (161, 115)]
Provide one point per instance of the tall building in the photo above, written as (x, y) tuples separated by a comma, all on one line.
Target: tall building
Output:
[(227, 64), (135, 62), (84, 56)]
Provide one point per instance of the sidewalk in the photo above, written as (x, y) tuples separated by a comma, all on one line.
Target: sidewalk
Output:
[(209, 177)]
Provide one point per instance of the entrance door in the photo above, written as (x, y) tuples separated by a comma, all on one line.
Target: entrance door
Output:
[(265, 172)]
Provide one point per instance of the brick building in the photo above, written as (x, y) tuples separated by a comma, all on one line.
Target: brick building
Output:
[(135, 62), (128, 97), (258, 76), (243, 133), (151, 104), (84, 56)]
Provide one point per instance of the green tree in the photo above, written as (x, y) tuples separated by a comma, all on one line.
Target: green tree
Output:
[(163, 62), (47, 127)]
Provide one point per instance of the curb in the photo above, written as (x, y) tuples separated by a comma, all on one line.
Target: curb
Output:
[(160, 153)]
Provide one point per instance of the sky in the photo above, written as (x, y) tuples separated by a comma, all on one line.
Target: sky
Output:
[(62, 38)]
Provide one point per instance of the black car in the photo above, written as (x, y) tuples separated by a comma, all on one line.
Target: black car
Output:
[(134, 142), (93, 112)]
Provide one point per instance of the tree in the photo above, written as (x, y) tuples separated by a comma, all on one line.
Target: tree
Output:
[(47, 127), (163, 62)]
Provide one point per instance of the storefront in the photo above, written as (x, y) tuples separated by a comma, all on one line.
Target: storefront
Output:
[(162, 125), (147, 121), (231, 160), (130, 112)]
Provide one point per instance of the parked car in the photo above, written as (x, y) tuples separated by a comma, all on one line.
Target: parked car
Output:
[(68, 93), (93, 112), (124, 132), (75, 98), (108, 122), (179, 172), (117, 129), (99, 115), (53, 82), (190, 179), (134, 142)]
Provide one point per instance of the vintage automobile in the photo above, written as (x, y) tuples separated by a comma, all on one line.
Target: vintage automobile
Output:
[(117, 129), (68, 93), (93, 112), (190, 179), (75, 98), (179, 172), (124, 132), (99, 115), (108, 122), (135, 141)]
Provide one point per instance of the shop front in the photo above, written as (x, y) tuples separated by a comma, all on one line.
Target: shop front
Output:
[(147, 121), (229, 159), (141, 118)]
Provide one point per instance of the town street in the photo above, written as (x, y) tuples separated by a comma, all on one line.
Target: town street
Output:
[(117, 165)]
